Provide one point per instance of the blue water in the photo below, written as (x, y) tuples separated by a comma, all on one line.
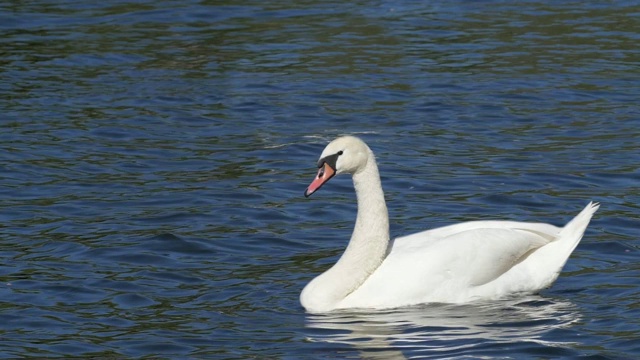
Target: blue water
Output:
[(155, 154)]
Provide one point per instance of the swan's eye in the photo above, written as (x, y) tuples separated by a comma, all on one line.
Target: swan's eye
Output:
[(340, 152)]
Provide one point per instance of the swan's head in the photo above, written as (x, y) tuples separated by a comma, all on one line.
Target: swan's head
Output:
[(344, 155)]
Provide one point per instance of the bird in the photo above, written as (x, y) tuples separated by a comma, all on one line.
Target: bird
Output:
[(459, 263)]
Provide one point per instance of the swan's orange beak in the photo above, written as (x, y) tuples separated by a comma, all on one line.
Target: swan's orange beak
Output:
[(325, 173)]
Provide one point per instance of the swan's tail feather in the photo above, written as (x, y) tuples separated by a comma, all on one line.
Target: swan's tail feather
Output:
[(549, 260), (574, 230)]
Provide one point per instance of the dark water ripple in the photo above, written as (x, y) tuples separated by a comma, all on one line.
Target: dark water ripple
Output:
[(155, 154)]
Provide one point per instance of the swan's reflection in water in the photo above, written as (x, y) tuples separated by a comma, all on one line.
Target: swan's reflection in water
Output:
[(443, 330)]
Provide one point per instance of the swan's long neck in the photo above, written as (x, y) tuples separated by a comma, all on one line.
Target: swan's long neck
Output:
[(366, 250), (370, 239)]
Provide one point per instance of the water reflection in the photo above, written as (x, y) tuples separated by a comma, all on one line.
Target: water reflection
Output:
[(445, 330)]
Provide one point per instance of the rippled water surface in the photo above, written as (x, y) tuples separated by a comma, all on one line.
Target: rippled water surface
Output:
[(155, 153)]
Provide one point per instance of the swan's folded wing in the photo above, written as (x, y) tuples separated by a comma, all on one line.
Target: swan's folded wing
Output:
[(475, 256), (493, 252), (422, 268)]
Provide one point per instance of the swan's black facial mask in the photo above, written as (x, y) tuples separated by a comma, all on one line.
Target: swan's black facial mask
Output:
[(326, 170), (330, 160)]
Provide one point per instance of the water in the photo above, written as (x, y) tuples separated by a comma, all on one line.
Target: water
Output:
[(154, 156)]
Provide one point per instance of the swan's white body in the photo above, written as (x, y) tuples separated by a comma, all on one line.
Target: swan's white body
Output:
[(452, 264)]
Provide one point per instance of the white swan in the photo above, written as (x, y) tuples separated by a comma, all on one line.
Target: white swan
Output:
[(452, 264)]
